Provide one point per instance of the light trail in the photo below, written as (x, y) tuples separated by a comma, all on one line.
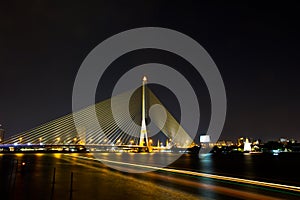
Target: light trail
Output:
[(199, 174), (177, 180)]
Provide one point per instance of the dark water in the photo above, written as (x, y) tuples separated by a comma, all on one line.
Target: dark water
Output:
[(283, 168), (93, 180)]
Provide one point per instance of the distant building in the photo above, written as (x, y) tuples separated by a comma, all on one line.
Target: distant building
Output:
[(204, 138), (221, 143), (229, 143), (240, 141), (293, 141), (205, 141), (257, 142), (247, 145), (283, 140)]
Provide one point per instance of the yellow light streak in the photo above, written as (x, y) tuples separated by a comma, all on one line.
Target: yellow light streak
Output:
[(199, 174)]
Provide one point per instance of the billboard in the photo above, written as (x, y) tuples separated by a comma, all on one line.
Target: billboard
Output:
[(204, 138)]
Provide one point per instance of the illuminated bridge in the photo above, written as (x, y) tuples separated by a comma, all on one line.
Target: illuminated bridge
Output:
[(63, 132)]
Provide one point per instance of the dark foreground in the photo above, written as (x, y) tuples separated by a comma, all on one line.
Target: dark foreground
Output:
[(60, 176)]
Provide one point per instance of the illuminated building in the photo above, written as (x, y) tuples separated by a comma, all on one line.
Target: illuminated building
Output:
[(240, 141), (204, 141), (221, 143), (247, 145)]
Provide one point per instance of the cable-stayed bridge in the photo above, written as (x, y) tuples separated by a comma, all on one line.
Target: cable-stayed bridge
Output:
[(116, 129)]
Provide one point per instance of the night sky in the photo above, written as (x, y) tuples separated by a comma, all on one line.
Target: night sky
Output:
[(255, 46)]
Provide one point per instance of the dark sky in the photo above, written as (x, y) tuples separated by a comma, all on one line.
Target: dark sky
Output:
[(255, 46)]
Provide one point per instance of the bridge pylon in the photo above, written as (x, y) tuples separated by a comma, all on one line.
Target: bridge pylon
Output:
[(144, 135)]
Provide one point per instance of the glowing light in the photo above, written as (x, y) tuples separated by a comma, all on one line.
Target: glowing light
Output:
[(144, 78), (247, 145), (204, 138), (57, 155), (199, 174)]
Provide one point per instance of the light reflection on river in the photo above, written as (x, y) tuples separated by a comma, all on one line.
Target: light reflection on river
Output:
[(94, 180)]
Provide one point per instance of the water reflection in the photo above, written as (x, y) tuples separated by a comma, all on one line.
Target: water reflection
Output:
[(131, 160)]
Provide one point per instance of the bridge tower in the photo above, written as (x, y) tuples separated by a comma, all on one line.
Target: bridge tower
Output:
[(144, 136)]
